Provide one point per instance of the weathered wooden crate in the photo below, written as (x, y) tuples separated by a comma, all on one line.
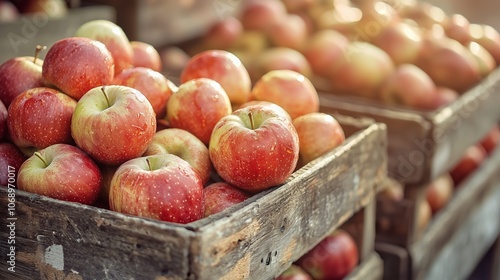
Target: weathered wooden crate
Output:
[(423, 145), (21, 37), (457, 236), (257, 239)]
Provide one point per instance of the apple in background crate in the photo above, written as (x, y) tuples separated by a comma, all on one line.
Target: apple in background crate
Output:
[(472, 158), (11, 159), (145, 55), (294, 272), (220, 196), (61, 171), (439, 192)]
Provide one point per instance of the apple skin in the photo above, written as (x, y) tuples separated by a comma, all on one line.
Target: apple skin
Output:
[(259, 14), (491, 140), (488, 37), (185, 145), (288, 89), (40, 117), (145, 55), (94, 61), (472, 158), (113, 37), (3, 121), (113, 124), (220, 196), (162, 187), (323, 49), (294, 272), (266, 103), (223, 34), (18, 75), (11, 158), (154, 85), (61, 171), (439, 192), (278, 58), (254, 157), (318, 133), (197, 106), (223, 67), (8, 12), (289, 31), (333, 258)]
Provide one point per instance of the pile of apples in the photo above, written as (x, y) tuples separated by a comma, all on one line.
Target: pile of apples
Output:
[(96, 122), (402, 52)]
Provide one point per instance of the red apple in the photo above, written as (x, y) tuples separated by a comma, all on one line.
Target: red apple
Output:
[(18, 75), (162, 187), (75, 65), (278, 58), (323, 49), (259, 14), (50, 8), (472, 158), (153, 84), (113, 37), (197, 106), (185, 145), (318, 133), (223, 67), (294, 272), (8, 12), (333, 258), (342, 19), (61, 171), (439, 192), (220, 196), (491, 140), (289, 31), (223, 34), (11, 159), (266, 103), (254, 148), (3, 121), (375, 17), (174, 60), (457, 27), (424, 14), (443, 97), (288, 89), (40, 117), (488, 37), (113, 124), (145, 55), (484, 59)]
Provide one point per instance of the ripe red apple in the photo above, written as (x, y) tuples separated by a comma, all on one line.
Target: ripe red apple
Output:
[(113, 124), (318, 133), (491, 140), (18, 75), (443, 97), (289, 31), (8, 12), (76, 64), (145, 55), (294, 272), (424, 14), (259, 14), (266, 103), (254, 148), (333, 258), (173, 60), (223, 67), (484, 59), (488, 37), (3, 121), (323, 49), (223, 34), (288, 89), (40, 117), (61, 171), (197, 106), (278, 58), (185, 145), (439, 192), (457, 27), (50, 8), (472, 158), (220, 196), (341, 18), (113, 37), (162, 187), (154, 85), (11, 159), (375, 17)]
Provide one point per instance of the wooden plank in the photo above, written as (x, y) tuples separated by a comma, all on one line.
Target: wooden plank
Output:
[(371, 269), (396, 261)]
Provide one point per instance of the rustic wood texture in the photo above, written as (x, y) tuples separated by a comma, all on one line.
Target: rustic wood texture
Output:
[(423, 145), (21, 37), (257, 239), (396, 261)]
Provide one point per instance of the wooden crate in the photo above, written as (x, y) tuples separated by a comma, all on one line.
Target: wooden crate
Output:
[(257, 239), (423, 145), (459, 235), (21, 37)]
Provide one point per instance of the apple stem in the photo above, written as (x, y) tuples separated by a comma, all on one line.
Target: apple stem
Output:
[(105, 95), (149, 164), (37, 52), (39, 156), (250, 116)]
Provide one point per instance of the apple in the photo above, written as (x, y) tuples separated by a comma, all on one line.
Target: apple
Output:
[(154, 85), (11, 159), (318, 133), (375, 17), (488, 37), (3, 121), (457, 27), (323, 49), (254, 148), (259, 14), (220, 196), (484, 59), (443, 97), (173, 60), (410, 86), (197, 106), (334, 257), (113, 37), (50, 8), (266, 103), (19, 74), (424, 14), (162, 187), (40, 117), (145, 55), (223, 67), (289, 31), (76, 64), (342, 19), (223, 34), (297, 6), (439, 192), (251, 41), (294, 272), (61, 171), (288, 89), (472, 158), (491, 140), (8, 12), (185, 145), (113, 124), (279, 58)]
